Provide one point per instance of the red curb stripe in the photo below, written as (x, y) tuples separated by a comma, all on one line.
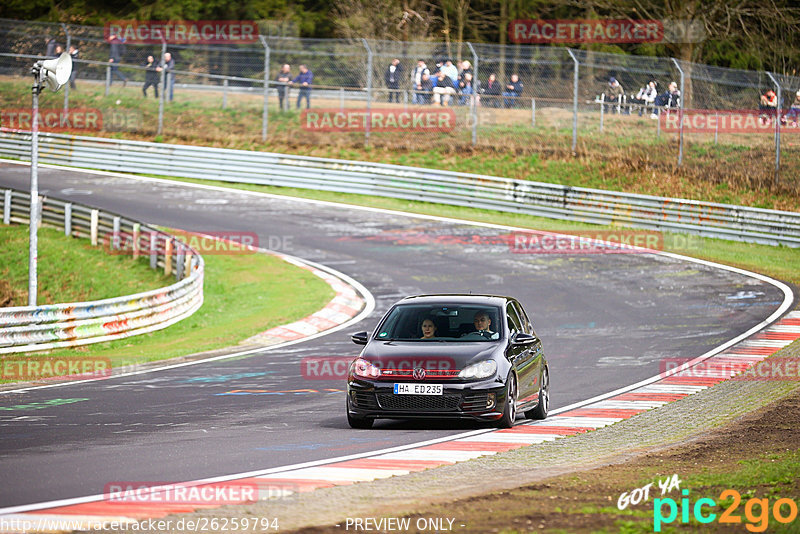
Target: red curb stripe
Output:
[(603, 412), (778, 335), (475, 446), (544, 429), (667, 397), (761, 351), (108, 508), (693, 381), (372, 463), (299, 485)]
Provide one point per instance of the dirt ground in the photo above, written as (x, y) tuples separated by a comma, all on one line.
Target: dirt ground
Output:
[(587, 501)]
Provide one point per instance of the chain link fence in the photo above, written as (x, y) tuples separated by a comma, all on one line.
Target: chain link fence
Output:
[(417, 95)]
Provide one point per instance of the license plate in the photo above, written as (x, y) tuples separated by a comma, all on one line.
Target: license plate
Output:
[(418, 389)]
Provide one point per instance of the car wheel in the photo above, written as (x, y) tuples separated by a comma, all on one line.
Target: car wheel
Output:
[(358, 422), (510, 412), (540, 412)]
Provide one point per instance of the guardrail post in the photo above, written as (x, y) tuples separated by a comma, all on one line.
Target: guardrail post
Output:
[(473, 100), (179, 259), (135, 244), (265, 110), (167, 256), (115, 242), (93, 227), (66, 85), (187, 264), (777, 129), (680, 114), (574, 101), (68, 219), (163, 92), (225, 93), (7, 207), (369, 91), (153, 250)]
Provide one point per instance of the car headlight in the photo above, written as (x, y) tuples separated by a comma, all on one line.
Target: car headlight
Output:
[(365, 369), (482, 369)]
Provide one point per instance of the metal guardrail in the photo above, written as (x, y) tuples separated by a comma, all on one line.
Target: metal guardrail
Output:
[(29, 328), (446, 187)]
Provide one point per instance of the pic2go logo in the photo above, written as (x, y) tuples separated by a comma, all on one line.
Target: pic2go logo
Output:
[(756, 511)]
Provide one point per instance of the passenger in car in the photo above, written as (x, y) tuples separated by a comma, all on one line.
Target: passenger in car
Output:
[(428, 329)]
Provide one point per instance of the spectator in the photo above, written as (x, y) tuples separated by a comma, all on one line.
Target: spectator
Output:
[(74, 54), (492, 91), (443, 90), (282, 79), (466, 68), (425, 89), (671, 98), (392, 77), (116, 51), (614, 93), (794, 110), (50, 46), (466, 87), (58, 51), (151, 76), (512, 92), (768, 106), (168, 65), (304, 79), (416, 80), (646, 96), (450, 70)]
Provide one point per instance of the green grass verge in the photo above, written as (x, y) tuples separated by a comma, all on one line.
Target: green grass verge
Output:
[(780, 262), (243, 295)]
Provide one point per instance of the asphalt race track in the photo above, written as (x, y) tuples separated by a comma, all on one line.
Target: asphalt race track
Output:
[(606, 320)]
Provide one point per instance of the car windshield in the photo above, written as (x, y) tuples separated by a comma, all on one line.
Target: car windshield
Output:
[(447, 323)]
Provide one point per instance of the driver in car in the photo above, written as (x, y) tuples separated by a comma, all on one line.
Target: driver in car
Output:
[(482, 324)]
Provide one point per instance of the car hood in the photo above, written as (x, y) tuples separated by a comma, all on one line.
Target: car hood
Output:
[(428, 354)]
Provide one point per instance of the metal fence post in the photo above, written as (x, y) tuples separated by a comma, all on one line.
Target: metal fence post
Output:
[(602, 109), (7, 207), (369, 91), (716, 128), (108, 79), (680, 114), (66, 85), (777, 129), (33, 244), (68, 219), (474, 100), (153, 250), (574, 101), (225, 93), (163, 91), (533, 112), (265, 111), (341, 99)]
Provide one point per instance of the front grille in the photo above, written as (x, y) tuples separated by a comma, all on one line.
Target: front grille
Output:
[(474, 401), (365, 400), (419, 403)]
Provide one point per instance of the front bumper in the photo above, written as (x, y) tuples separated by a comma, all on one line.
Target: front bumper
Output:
[(482, 400)]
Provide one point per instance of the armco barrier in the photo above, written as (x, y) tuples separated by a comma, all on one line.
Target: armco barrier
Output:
[(520, 196), (29, 328)]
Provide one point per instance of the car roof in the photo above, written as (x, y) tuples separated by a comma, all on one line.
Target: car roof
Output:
[(456, 298)]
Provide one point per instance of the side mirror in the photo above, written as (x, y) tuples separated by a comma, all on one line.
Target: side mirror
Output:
[(525, 339), (359, 338)]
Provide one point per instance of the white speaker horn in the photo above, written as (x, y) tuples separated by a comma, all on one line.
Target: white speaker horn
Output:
[(56, 72)]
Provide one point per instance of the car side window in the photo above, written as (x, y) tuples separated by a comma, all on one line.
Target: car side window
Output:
[(527, 327), (514, 325)]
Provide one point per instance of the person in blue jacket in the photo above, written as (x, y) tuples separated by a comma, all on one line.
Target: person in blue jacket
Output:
[(304, 80)]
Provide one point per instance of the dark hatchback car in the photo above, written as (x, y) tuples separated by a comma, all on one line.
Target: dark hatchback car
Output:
[(449, 356)]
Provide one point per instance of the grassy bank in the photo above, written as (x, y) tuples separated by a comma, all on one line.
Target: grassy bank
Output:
[(241, 296)]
